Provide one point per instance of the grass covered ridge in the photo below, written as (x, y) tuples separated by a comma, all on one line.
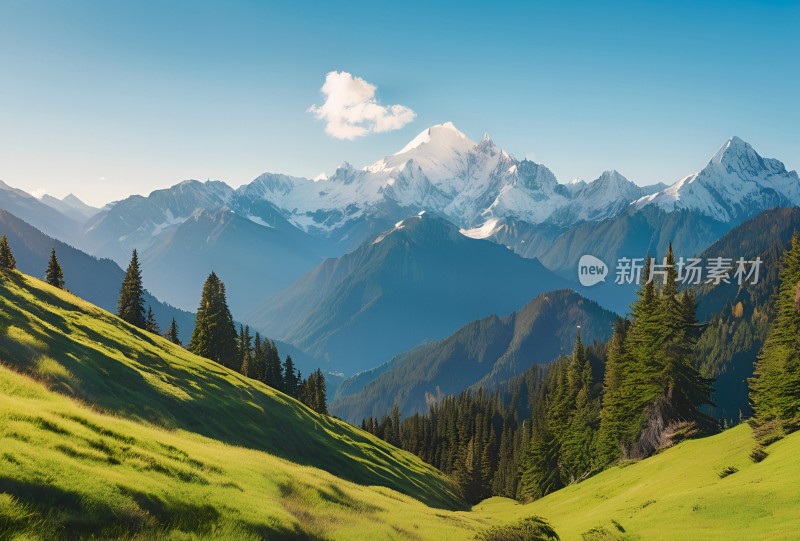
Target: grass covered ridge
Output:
[(110, 432), (84, 352), (679, 494), (69, 472)]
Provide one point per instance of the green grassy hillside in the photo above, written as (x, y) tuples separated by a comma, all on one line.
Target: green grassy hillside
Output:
[(67, 472), (84, 352), (679, 494), (109, 432)]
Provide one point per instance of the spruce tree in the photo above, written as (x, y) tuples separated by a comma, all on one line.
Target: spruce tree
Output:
[(641, 387), (172, 333), (131, 295), (654, 382), (539, 469), (150, 324), (273, 373), (291, 383), (576, 441), (320, 393), (775, 385), (312, 393), (248, 367), (7, 261), (608, 448), (214, 335), (258, 358), (54, 275), (683, 385)]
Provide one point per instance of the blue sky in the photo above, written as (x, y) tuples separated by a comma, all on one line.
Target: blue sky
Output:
[(105, 99)]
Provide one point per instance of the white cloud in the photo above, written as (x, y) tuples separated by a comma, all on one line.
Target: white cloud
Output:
[(38, 193), (351, 110)]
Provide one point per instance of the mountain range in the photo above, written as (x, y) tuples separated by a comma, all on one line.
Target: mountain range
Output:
[(482, 353), (303, 262), (97, 280), (419, 280)]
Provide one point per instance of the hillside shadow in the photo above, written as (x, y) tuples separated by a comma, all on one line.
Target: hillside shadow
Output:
[(197, 398)]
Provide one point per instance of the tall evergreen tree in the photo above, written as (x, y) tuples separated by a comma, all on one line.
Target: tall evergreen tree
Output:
[(172, 333), (576, 441), (655, 383), (7, 261), (684, 387), (258, 358), (131, 295), (775, 385), (313, 393), (248, 367), (320, 393), (273, 373), (54, 275), (609, 441), (214, 335), (291, 382), (150, 324)]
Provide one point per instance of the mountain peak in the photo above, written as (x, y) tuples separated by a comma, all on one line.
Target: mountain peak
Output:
[(440, 135), (344, 166), (735, 151)]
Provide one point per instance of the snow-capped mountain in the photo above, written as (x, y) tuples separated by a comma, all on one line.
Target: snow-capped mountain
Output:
[(736, 185), (477, 186), (474, 185), (136, 221), (442, 171)]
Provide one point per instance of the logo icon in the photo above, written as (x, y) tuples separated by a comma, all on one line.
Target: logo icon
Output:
[(591, 271)]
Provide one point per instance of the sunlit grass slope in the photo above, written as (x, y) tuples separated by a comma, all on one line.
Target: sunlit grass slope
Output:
[(69, 472), (679, 494), (84, 352), (144, 440)]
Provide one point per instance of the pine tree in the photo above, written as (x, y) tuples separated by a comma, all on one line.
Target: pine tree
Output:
[(576, 440), (468, 474), (150, 324), (172, 333), (775, 385), (273, 373), (320, 393), (291, 383), (7, 261), (54, 275), (643, 343), (313, 393), (612, 415), (654, 382), (258, 358), (248, 366), (539, 471), (131, 295), (214, 335)]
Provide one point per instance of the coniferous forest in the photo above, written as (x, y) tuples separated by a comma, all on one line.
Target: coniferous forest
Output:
[(215, 336), (627, 399)]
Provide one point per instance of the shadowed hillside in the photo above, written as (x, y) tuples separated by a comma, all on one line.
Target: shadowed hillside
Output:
[(85, 352)]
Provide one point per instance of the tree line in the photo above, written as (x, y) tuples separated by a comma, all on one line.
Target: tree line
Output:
[(214, 337), (605, 403), (775, 385)]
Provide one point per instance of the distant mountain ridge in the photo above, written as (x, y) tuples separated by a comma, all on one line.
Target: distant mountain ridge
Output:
[(96, 280), (485, 352), (419, 280)]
